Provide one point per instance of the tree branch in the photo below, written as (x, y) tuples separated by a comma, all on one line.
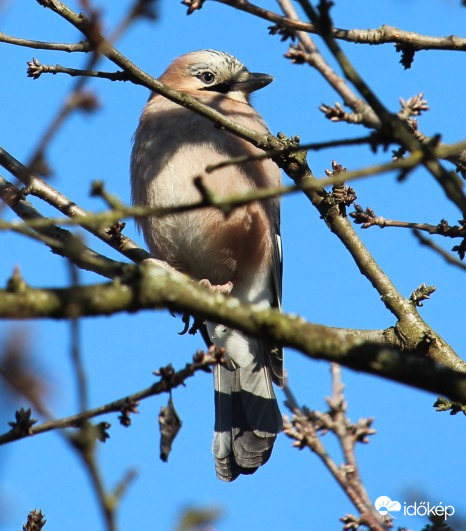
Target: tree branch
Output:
[(444, 254), (36, 69), (41, 189), (92, 220), (383, 35), (374, 352), (367, 218), (60, 241), (410, 325), (202, 361), (305, 428), (397, 128), (82, 46)]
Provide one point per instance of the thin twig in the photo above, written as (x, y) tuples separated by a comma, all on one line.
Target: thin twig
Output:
[(168, 381), (82, 46), (304, 428), (444, 254), (400, 132), (312, 146), (91, 221), (60, 241), (75, 347), (367, 218), (36, 69), (39, 188), (383, 35)]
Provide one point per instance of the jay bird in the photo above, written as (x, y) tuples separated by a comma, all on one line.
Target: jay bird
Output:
[(238, 254)]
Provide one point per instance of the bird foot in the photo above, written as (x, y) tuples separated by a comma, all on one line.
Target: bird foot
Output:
[(224, 289)]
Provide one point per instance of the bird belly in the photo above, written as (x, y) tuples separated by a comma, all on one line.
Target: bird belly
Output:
[(206, 243)]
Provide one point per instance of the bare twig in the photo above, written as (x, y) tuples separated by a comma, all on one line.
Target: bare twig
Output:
[(60, 241), (367, 218), (91, 221), (75, 347), (39, 188), (444, 254), (169, 379), (384, 34), (36, 69), (399, 131), (304, 428), (77, 97), (82, 46), (308, 52)]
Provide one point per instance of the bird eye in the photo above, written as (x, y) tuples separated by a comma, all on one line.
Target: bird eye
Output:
[(207, 77)]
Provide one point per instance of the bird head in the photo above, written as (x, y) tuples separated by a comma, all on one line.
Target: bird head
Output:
[(214, 73)]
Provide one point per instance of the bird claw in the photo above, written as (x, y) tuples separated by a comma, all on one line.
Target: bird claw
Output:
[(224, 289), (197, 326), (186, 318)]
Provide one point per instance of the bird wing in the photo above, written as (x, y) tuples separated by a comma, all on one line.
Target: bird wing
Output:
[(276, 354)]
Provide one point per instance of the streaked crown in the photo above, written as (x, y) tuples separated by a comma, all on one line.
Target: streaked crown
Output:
[(214, 72)]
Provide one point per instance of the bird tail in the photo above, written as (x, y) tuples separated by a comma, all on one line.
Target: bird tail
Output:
[(247, 418)]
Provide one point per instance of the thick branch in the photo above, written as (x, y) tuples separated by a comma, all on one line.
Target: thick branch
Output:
[(368, 351)]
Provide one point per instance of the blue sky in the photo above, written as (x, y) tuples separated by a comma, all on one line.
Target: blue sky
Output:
[(414, 449)]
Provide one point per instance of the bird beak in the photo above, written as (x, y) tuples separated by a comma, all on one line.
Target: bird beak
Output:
[(252, 83)]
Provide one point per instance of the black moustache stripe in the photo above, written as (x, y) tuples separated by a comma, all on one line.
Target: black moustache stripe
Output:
[(223, 88)]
